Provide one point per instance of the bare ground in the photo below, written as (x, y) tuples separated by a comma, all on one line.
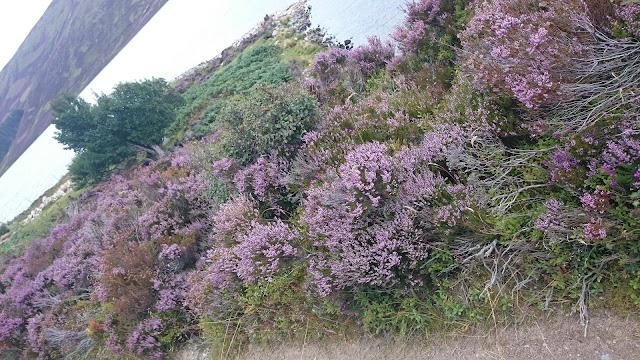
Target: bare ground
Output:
[(608, 337)]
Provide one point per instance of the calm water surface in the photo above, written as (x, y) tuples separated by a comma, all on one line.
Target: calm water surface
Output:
[(183, 34)]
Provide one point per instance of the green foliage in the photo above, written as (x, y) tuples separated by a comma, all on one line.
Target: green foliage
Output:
[(89, 167), (8, 130), (394, 312), (258, 64), (275, 310), (266, 119), (132, 118), (24, 233)]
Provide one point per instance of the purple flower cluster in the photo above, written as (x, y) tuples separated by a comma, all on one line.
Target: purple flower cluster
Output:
[(598, 202), (105, 251), (263, 177), (366, 221), (461, 200), (420, 16), (143, 340), (550, 219), (562, 166), (9, 326), (629, 12), (595, 230), (518, 48), (367, 173), (261, 251), (338, 70)]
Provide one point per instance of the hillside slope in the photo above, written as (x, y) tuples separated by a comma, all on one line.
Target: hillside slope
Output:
[(480, 172), (68, 47)]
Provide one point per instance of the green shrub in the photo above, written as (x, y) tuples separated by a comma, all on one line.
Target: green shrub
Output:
[(259, 64), (266, 119), (4, 229)]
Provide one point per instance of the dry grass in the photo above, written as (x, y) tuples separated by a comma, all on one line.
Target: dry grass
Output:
[(557, 337)]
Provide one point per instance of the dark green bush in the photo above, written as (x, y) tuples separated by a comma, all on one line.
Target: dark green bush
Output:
[(259, 64), (266, 119), (4, 229)]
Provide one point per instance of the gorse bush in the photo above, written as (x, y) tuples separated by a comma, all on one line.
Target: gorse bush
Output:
[(259, 64), (265, 120), (491, 165)]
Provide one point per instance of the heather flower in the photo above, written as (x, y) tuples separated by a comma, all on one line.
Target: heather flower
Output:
[(263, 176), (365, 221), (262, 250), (520, 49), (9, 326), (367, 172), (550, 219), (622, 149), (598, 201), (373, 56), (339, 71), (424, 19), (224, 168), (169, 299), (629, 12), (460, 204), (144, 340), (118, 271), (233, 217), (562, 166), (212, 285), (595, 230), (34, 335), (169, 252)]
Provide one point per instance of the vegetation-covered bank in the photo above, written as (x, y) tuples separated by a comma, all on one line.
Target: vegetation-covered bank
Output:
[(484, 165)]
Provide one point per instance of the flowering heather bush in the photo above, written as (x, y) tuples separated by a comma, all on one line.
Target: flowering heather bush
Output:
[(126, 246), (629, 13), (562, 166), (520, 49), (381, 116), (244, 249), (371, 57), (460, 202), (598, 202), (261, 250), (234, 216), (339, 73), (368, 222), (266, 181), (426, 23), (144, 339), (10, 327), (595, 230), (212, 286)]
